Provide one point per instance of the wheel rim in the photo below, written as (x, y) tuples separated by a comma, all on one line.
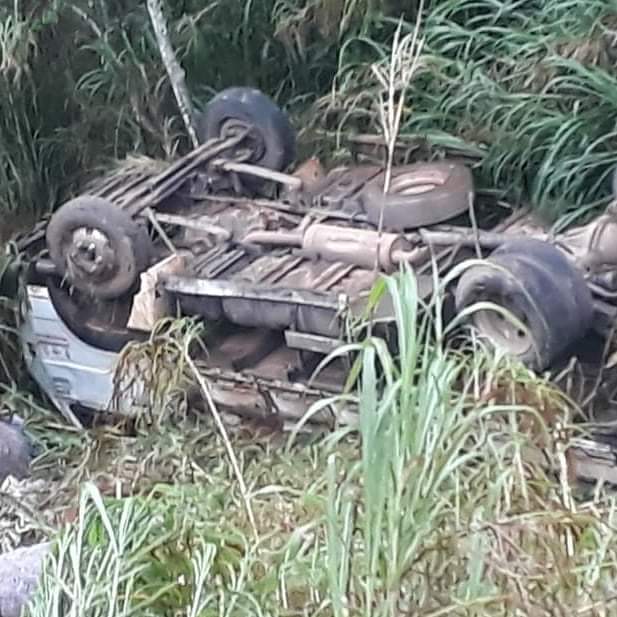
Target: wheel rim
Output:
[(90, 253), (252, 141), (502, 332), (415, 183)]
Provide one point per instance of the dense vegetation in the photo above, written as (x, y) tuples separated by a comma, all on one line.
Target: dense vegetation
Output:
[(437, 509), (524, 87), (393, 521)]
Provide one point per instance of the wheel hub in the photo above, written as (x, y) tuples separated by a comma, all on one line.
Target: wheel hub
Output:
[(91, 252), (252, 141), (503, 332)]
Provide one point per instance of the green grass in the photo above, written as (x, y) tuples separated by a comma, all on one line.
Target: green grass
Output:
[(528, 85), (430, 508)]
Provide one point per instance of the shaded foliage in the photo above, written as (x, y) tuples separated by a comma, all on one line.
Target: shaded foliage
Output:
[(527, 84)]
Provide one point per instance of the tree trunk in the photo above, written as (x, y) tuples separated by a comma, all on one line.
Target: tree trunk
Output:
[(173, 68)]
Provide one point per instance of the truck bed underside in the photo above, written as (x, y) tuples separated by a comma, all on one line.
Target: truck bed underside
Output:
[(279, 310)]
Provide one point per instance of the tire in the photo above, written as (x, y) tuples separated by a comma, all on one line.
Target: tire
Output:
[(271, 134), (123, 245), (15, 450), (448, 187), (102, 324), (541, 288)]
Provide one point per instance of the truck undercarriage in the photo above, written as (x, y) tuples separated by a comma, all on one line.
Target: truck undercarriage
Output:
[(278, 263)]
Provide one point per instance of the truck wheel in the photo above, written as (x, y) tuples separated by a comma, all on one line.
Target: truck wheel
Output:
[(420, 194), (544, 291), (100, 324), (97, 247), (271, 138)]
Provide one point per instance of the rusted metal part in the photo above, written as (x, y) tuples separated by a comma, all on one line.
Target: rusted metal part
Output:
[(260, 172), (251, 348), (276, 308), (255, 396), (592, 460), (167, 183), (594, 246), (362, 247), (451, 236), (274, 238), (135, 191), (310, 342), (228, 289), (198, 224)]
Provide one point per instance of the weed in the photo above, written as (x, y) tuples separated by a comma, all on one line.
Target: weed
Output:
[(434, 506)]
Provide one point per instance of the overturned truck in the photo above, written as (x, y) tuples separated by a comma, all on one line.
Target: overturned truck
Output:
[(277, 261)]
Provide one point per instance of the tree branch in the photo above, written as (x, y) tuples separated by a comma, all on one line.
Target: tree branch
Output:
[(173, 68)]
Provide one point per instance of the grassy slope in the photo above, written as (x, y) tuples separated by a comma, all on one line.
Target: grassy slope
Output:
[(397, 521)]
